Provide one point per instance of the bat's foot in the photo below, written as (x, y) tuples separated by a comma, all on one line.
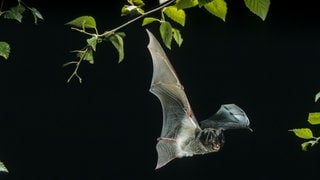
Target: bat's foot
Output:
[(166, 139)]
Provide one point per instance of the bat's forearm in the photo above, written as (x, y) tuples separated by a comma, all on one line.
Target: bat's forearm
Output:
[(166, 139)]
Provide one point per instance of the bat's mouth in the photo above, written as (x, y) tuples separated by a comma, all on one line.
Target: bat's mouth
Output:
[(216, 147)]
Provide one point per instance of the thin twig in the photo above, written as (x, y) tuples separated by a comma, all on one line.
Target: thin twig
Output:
[(75, 72), (68, 63), (84, 32), (77, 63), (137, 18)]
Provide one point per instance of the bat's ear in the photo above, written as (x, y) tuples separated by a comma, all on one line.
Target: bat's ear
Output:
[(229, 116)]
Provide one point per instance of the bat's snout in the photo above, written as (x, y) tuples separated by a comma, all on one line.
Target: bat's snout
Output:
[(216, 147)]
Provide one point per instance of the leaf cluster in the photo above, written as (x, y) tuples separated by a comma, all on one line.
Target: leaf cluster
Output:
[(177, 14), (306, 133), (134, 7), (85, 24), (217, 8), (172, 14), (16, 13)]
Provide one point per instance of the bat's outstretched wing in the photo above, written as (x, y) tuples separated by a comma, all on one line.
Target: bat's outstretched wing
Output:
[(177, 114), (167, 87), (229, 116)]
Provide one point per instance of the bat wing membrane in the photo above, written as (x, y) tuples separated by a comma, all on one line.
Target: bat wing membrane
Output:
[(174, 108), (229, 116), (167, 151), (177, 114), (167, 87)]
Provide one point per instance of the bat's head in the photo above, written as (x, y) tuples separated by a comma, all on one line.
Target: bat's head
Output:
[(212, 139)]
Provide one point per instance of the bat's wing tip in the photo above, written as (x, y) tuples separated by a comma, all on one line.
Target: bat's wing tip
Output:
[(166, 152), (151, 37), (149, 34), (159, 166)]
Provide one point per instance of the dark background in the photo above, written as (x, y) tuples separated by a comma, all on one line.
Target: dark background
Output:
[(106, 127)]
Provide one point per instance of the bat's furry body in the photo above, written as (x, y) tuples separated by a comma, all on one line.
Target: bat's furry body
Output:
[(181, 135)]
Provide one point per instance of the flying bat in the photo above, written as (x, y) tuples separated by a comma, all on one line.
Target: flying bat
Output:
[(181, 134)]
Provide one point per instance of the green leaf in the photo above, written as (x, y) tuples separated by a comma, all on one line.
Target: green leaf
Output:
[(217, 8), (131, 10), (304, 133), (314, 118), (317, 97), (92, 42), (117, 41), (184, 4), (149, 20), (178, 15), (126, 9), (3, 168), (203, 2), (15, 13), (258, 7), (177, 36), (305, 145), (166, 33), (36, 15), (139, 3), (4, 50), (83, 22), (87, 55), (121, 34)]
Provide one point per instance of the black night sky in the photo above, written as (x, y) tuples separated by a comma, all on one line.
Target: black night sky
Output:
[(106, 127)]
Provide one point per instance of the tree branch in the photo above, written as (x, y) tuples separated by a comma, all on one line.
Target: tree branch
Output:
[(77, 63), (137, 18)]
